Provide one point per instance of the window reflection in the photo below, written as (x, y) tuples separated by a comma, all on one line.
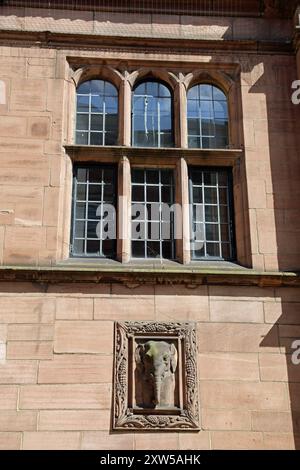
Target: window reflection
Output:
[(97, 113), (207, 115), (152, 116)]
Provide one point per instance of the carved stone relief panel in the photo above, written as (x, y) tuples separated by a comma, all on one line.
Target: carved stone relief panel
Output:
[(155, 376)]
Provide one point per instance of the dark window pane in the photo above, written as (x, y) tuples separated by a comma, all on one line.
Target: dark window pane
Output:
[(197, 194), (208, 143), (224, 233), (96, 138), (95, 192), (138, 193), (210, 178), (208, 127), (95, 175), (96, 122), (92, 229), (167, 250), (226, 252), (212, 232), (223, 195), (222, 178), (138, 249), (108, 248), (153, 249), (82, 138), (166, 140), (82, 122), (111, 138), (221, 143), (93, 247), (210, 195), (108, 176), (94, 211), (152, 193), (211, 213), (111, 122), (166, 177), (166, 194), (224, 214), (152, 177), (213, 249), (109, 193), (197, 177), (194, 142), (193, 126), (137, 176)]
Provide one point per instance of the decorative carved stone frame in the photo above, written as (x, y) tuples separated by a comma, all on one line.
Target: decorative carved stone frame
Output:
[(128, 417)]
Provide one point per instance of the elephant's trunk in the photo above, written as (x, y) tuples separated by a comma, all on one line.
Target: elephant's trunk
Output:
[(157, 389)]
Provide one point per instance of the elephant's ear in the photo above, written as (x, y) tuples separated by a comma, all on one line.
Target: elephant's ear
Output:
[(173, 358), (139, 356)]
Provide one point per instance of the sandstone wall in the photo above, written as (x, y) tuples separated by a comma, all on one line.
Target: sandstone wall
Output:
[(35, 173), (56, 364)]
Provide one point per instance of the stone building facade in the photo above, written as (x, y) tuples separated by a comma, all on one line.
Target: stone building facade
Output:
[(57, 310)]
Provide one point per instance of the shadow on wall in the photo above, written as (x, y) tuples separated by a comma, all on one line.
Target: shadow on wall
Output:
[(276, 123), (283, 334)]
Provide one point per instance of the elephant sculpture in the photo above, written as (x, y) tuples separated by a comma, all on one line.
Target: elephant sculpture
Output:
[(156, 363)]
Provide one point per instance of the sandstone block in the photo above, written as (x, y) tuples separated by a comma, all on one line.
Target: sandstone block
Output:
[(78, 420), (228, 366), (236, 311), (83, 337), (34, 397), (76, 369), (51, 440), (101, 440)]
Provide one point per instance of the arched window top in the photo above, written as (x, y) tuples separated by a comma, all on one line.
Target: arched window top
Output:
[(98, 87), (97, 113), (207, 114), (154, 88), (152, 123)]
